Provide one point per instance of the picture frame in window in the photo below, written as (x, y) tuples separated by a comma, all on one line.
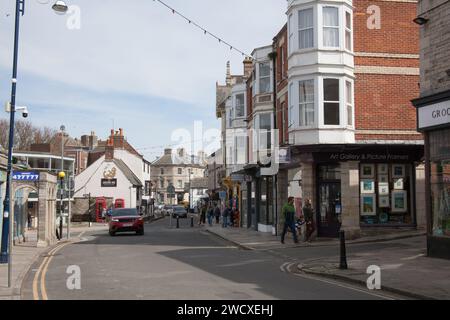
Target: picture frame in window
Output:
[(367, 186), (399, 201), (367, 171), (384, 202), (383, 189), (399, 184), (398, 170), (368, 205), (383, 169), (383, 178)]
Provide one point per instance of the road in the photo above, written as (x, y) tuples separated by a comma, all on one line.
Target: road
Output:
[(174, 264)]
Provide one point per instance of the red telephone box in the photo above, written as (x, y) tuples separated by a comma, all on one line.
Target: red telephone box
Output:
[(119, 203), (100, 205)]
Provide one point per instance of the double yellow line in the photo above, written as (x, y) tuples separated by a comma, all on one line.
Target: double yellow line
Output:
[(42, 272)]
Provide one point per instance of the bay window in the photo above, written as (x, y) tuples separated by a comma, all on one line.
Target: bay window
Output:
[(291, 104), (306, 103), (330, 27), (240, 105), (331, 102), (264, 77), (306, 28), (291, 34)]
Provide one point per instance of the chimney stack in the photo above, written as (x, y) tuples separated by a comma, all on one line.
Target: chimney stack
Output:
[(248, 67), (228, 81)]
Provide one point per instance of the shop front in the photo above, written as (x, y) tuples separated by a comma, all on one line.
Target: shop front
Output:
[(433, 114), (360, 186)]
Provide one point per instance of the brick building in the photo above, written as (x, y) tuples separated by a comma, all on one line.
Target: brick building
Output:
[(433, 108), (353, 68)]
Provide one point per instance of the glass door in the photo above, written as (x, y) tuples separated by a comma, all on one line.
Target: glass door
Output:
[(329, 201)]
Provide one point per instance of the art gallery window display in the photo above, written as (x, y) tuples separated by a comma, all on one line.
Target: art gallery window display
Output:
[(385, 194)]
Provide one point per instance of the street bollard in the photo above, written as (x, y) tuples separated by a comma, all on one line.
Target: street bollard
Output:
[(192, 222), (178, 222), (343, 263)]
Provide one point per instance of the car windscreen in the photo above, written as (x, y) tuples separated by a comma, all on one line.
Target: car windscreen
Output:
[(179, 209), (125, 212)]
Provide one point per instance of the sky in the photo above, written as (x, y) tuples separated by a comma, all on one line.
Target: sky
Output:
[(131, 64)]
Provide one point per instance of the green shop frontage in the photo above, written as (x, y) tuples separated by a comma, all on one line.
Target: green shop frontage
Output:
[(358, 186), (433, 117)]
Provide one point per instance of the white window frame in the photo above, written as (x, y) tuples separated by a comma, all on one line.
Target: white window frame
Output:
[(303, 112), (347, 30), (291, 121), (305, 29), (338, 27), (291, 34), (350, 104), (260, 77), (236, 116), (323, 102)]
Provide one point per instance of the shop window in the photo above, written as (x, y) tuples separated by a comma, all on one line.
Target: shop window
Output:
[(385, 194), (440, 181)]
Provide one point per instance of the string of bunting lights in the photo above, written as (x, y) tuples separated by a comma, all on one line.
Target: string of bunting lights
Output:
[(204, 30)]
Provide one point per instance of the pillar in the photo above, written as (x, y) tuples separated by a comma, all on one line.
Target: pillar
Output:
[(421, 217), (47, 210), (350, 199)]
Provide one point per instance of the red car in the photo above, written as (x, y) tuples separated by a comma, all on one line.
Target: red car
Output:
[(126, 220)]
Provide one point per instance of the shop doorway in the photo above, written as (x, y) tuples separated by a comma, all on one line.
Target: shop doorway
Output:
[(329, 201)]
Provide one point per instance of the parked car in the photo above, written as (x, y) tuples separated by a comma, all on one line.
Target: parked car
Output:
[(126, 220), (179, 212), (167, 210)]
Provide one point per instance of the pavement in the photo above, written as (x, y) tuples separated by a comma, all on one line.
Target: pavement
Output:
[(401, 256)]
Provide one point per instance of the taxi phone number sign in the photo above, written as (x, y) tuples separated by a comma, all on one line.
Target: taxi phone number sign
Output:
[(25, 176)]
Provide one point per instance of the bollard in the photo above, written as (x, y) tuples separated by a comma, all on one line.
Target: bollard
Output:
[(343, 263), (192, 222), (178, 222)]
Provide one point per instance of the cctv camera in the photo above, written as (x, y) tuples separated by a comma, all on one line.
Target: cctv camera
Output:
[(24, 111)]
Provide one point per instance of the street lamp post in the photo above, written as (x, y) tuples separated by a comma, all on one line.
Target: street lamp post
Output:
[(20, 10), (61, 176)]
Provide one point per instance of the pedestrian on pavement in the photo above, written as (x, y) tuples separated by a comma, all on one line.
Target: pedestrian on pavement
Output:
[(210, 215), (288, 212), (226, 215), (308, 213), (30, 221), (217, 214), (202, 214)]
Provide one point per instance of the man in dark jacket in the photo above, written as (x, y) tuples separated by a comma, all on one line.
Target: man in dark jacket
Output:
[(288, 213)]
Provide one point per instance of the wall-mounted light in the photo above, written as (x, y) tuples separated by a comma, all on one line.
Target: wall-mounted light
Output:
[(420, 21)]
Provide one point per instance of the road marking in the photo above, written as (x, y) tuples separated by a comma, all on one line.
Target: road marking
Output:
[(414, 257), (286, 268), (42, 273)]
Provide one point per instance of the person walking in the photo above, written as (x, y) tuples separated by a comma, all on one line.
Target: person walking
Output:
[(308, 213), (202, 215), (288, 212), (217, 214), (226, 215), (210, 215)]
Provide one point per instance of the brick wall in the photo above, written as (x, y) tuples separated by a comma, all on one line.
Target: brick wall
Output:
[(281, 44), (386, 70)]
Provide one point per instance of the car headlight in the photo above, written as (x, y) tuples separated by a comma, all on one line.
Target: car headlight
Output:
[(115, 220)]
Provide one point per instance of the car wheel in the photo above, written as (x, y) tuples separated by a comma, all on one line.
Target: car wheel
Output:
[(112, 234), (140, 233)]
